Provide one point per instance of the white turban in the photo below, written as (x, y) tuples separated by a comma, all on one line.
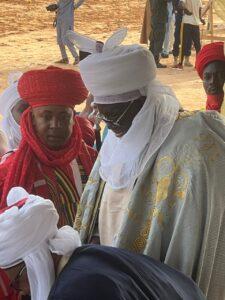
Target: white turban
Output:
[(8, 99), (28, 234), (117, 69)]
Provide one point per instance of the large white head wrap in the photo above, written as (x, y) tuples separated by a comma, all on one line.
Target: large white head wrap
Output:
[(8, 99), (117, 69), (28, 234), (122, 74)]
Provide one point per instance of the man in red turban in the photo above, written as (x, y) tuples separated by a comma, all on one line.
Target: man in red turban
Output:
[(52, 160), (210, 65)]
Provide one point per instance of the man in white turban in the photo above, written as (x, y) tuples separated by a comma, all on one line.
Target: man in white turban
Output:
[(28, 235), (159, 181), (11, 109)]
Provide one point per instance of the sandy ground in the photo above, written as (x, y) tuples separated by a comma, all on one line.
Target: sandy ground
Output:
[(28, 40)]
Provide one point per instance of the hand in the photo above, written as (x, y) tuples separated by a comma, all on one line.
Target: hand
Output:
[(52, 7), (187, 12), (88, 107), (202, 21)]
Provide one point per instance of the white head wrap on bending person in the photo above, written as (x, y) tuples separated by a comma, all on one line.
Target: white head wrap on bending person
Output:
[(122, 74), (29, 234), (8, 99)]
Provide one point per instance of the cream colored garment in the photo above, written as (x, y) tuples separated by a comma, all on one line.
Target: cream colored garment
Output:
[(112, 209)]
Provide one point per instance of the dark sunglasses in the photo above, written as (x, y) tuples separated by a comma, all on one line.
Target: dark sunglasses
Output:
[(101, 117)]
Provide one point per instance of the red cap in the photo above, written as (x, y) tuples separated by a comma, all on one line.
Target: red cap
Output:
[(52, 86), (208, 54)]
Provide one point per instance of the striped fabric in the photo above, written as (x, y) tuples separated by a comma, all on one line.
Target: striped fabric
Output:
[(66, 196)]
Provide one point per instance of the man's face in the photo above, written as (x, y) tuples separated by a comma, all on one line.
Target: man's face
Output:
[(18, 109), (214, 78), (119, 117), (53, 125)]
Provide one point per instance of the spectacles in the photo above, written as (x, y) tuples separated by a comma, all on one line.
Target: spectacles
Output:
[(101, 117), (15, 282)]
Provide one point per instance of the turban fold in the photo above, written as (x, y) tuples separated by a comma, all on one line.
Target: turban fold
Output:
[(209, 53), (28, 233), (52, 86), (117, 71)]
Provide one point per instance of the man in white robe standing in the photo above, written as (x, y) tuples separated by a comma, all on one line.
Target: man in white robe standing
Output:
[(65, 21), (159, 181)]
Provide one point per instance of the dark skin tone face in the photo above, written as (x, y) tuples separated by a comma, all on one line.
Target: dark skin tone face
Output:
[(214, 78), (53, 125), (113, 111), (18, 109)]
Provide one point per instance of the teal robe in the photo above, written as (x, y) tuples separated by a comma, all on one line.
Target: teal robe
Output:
[(176, 212)]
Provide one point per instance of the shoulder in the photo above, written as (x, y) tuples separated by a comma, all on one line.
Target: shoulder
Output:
[(204, 120), (193, 130)]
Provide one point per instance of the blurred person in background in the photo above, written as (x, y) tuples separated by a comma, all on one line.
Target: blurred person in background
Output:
[(65, 21), (210, 65)]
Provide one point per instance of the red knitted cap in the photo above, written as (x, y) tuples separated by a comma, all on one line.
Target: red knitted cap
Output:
[(52, 86), (208, 54)]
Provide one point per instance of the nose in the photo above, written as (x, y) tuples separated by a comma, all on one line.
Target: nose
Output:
[(213, 79), (55, 123)]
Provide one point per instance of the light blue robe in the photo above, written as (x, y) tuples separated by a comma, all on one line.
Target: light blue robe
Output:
[(176, 213)]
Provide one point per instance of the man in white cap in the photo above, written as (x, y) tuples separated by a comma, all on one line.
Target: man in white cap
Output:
[(159, 181), (11, 109)]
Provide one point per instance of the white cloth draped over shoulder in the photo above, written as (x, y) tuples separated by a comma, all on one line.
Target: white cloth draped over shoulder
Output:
[(123, 159), (28, 234)]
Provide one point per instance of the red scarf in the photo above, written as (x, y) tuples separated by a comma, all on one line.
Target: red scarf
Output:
[(214, 102), (21, 169)]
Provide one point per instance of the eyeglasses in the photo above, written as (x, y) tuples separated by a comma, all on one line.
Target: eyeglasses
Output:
[(15, 282), (101, 117)]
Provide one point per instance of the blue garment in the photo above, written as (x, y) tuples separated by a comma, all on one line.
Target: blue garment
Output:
[(105, 273)]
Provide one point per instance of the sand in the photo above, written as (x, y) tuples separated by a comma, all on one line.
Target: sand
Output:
[(28, 40)]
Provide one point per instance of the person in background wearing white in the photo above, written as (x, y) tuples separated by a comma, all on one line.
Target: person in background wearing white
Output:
[(65, 21), (191, 32)]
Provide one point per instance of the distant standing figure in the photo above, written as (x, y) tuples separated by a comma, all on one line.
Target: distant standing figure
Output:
[(169, 31), (65, 21), (190, 28), (159, 17)]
